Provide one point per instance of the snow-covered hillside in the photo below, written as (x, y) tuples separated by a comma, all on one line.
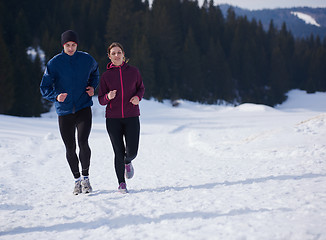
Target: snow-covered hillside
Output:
[(306, 18), (203, 172)]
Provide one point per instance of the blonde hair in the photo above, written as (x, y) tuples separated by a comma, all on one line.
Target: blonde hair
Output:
[(116, 44)]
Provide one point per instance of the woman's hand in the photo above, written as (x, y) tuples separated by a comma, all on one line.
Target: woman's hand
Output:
[(61, 97), (112, 94), (134, 100)]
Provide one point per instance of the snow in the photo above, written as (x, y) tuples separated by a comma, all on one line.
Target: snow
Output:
[(268, 4), (306, 18), (33, 53), (203, 172), (271, 4)]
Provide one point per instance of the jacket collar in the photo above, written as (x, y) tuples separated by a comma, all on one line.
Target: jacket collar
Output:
[(111, 66), (69, 57)]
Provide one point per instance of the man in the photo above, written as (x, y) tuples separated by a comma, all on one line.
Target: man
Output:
[(69, 81)]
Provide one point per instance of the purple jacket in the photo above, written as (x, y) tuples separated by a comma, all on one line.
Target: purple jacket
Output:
[(128, 82)]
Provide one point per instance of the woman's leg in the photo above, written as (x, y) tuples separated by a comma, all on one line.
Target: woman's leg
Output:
[(132, 131), (116, 131)]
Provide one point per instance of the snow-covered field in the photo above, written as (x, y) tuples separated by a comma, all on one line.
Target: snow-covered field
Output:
[(203, 172)]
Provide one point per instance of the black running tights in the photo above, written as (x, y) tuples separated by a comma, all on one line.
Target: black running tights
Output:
[(124, 136), (82, 121)]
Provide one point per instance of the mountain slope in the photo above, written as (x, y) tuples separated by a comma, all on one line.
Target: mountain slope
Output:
[(298, 27)]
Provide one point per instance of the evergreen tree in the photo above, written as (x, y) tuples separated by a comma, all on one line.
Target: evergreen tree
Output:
[(163, 87), (192, 81), (166, 44), (316, 69), (261, 61), (121, 21), (278, 78), (301, 63), (286, 44), (249, 85), (230, 26), (217, 74), (6, 78), (190, 13), (236, 51), (27, 77), (143, 60), (215, 21)]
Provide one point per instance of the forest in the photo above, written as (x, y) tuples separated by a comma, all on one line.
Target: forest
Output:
[(183, 51)]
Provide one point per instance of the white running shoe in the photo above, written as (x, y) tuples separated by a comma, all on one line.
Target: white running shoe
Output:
[(78, 187), (86, 185)]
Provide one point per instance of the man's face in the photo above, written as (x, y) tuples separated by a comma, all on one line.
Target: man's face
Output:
[(70, 48)]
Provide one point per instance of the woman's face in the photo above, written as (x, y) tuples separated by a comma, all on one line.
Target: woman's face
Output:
[(70, 48), (116, 56)]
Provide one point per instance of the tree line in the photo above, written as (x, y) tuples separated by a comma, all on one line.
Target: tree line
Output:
[(183, 50)]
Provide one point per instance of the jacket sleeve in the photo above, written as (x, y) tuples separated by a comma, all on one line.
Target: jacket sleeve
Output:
[(140, 86), (94, 75), (47, 85), (102, 92)]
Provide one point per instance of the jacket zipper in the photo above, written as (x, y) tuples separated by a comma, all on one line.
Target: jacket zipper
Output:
[(122, 92)]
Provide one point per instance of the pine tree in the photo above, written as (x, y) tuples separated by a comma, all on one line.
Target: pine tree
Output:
[(192, 81), (6, 78), (300, 62), (217, 74), (228, 36), (166, 44), (120, 23), (316, 68), (278, 77), (20, 83), (142, 59), (261, 61), (286, 44), (190, 13)]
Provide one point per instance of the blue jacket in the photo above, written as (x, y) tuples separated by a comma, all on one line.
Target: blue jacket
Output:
[(70, 74)]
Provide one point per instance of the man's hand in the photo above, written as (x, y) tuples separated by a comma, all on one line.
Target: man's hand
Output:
[(61, 97), (90, 91)]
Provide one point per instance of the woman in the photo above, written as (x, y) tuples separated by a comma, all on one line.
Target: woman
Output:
[(121, 89), (69, 81)]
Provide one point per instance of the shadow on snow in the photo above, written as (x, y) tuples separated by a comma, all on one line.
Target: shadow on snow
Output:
[(127, 220)]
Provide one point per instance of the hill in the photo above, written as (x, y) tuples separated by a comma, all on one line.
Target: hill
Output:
[(296, 25)]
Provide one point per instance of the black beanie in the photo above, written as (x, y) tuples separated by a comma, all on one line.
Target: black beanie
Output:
[(68, 36)]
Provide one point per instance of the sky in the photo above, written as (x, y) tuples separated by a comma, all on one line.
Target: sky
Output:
[(261, 4)]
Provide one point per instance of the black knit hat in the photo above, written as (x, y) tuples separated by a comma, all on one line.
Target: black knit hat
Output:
[(68, 36)]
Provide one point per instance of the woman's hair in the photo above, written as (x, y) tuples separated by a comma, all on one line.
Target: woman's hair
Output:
[(116, 44)]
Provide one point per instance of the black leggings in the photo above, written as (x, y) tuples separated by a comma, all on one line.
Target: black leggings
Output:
[(82, 121), (124, 135)]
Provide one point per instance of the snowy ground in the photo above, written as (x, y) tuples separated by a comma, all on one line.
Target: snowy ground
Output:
[(203, 172)]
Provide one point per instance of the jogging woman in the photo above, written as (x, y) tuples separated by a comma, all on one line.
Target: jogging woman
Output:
[(121, 89)]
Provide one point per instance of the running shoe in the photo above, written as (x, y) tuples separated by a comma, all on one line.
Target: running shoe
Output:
[(123, 188), (129, 170), (78, 187), (86, 185)]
